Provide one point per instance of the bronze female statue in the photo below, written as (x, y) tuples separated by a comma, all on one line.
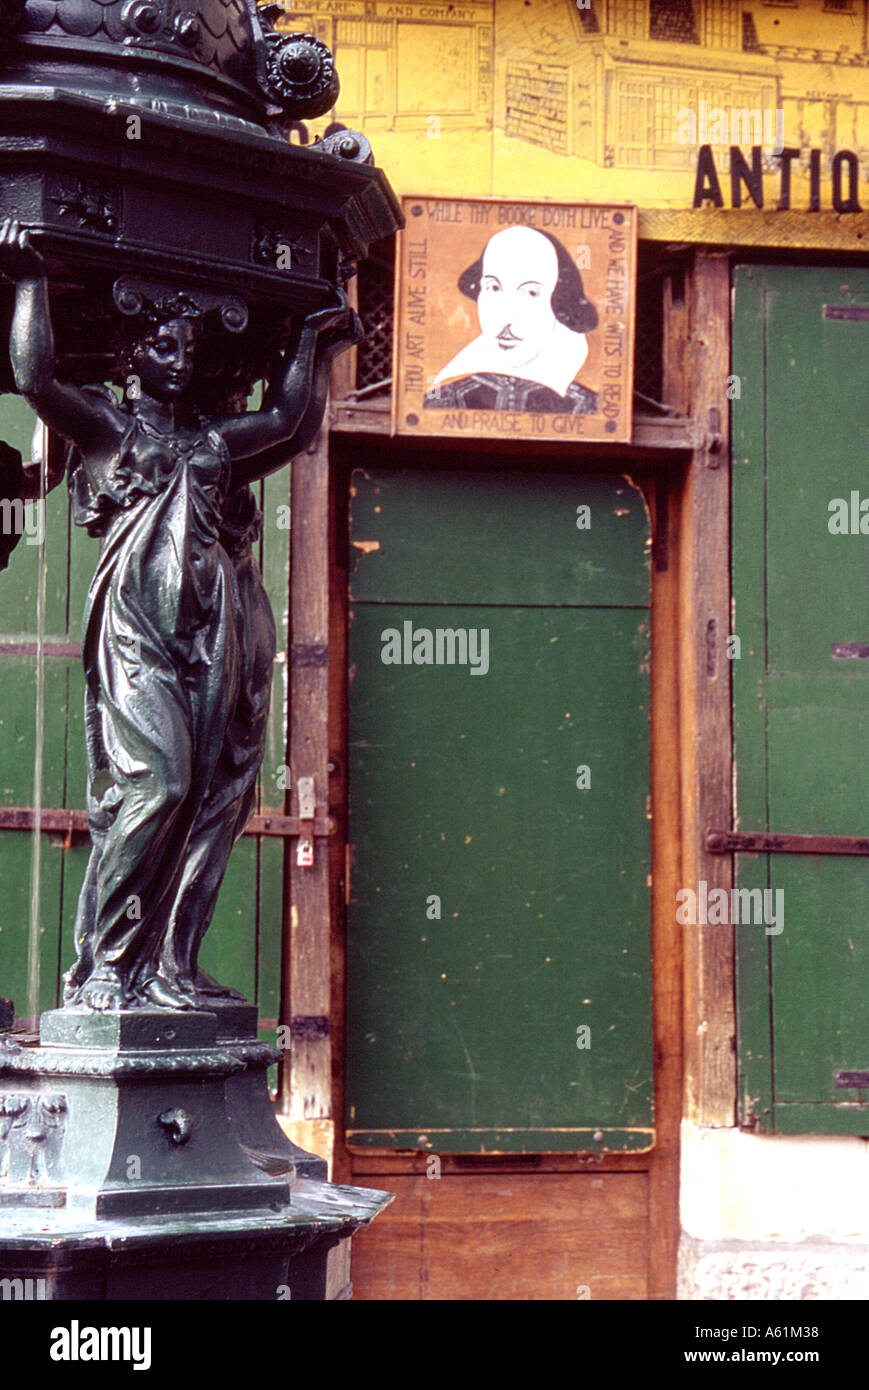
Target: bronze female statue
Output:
[(178, 637)]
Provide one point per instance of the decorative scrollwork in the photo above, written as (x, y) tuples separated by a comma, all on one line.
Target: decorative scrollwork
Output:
[(142, 18), (89, 204), (300, 74), (177, 1124), (346, 144), (27, 1122), (187, 28), (276, 246)]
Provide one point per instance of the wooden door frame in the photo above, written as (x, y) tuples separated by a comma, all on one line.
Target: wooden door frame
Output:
[(697, 350), (682, 465), (661, 1163)]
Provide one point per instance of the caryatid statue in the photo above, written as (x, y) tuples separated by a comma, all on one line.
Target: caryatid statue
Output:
[(178, 635), (159, 231)]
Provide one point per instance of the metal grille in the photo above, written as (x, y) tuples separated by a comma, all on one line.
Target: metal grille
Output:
[(376, 302), (673, 20), (648, 344), (588, 18), (749, 34)]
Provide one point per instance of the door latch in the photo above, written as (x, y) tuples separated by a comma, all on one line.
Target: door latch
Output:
[(305, 847)]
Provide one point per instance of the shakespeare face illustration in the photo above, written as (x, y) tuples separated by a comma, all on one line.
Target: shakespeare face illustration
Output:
[(514, 300), (533, 316)]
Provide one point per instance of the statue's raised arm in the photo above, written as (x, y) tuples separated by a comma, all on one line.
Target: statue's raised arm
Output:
[(94, 425), (261, 441)]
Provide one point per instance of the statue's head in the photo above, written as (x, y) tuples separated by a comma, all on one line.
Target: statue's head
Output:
[(158, 347), (163, 359)]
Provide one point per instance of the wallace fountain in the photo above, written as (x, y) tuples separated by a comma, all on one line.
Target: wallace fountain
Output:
[(163, 249)]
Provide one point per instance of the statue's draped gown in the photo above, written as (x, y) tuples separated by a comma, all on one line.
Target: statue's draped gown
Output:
[(178, 643)]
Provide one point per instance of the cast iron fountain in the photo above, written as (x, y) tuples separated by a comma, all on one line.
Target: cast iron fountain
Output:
[(159, 235)]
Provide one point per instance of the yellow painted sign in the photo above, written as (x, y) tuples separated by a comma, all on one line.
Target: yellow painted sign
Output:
[(616, 99)]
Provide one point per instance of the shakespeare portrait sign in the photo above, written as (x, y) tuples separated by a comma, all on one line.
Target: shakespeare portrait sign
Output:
[(515, 320)]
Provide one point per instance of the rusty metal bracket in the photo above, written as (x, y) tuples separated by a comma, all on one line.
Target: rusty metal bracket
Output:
[(309, 1026), (74, 824), (851, 1080), (767, 842), (709, 440)]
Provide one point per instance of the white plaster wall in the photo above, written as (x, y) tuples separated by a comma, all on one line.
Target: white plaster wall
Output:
[(740, 1186), (773, 1216)]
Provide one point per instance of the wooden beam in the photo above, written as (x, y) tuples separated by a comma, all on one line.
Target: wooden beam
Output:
[(649, 431), (677, 351), (710, 1060), (306, 1079), (344, 369), (662, 495)]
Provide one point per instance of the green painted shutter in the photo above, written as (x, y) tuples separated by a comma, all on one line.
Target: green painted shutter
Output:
[(62, 865), (499, 990), (801, 715)]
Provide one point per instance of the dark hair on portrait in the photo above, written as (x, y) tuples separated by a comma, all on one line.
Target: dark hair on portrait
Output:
[(569, 304)]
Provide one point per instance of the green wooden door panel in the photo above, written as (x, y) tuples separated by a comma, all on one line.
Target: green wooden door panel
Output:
[(20, 581), (497, 538), (270, 916), (801, 716), (817, 440), (752, 965), (275, 563), (497, 911)]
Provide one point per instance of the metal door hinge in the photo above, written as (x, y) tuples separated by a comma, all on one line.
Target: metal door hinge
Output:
[(769, 842), (851, 1080)]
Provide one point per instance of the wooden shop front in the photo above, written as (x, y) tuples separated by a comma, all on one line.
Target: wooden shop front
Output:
[(546, 696)]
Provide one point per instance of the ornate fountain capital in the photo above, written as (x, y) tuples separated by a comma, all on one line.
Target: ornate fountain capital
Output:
[(147, 139), (227, 48)]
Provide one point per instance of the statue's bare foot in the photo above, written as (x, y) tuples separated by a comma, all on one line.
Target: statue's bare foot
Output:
[(71, 987), (102, 992), (208, 988), (157, 990)]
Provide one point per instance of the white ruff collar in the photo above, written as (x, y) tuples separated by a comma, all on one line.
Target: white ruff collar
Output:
[(555, 366)]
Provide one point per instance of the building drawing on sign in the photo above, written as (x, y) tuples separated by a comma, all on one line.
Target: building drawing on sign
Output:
[(534, 317), (387, 77), (608, 84)]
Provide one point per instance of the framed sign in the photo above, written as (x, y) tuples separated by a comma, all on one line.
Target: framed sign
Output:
[(515, 320)]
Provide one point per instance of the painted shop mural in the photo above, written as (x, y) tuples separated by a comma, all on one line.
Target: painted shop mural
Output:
[(515, 319), (615, 100)]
